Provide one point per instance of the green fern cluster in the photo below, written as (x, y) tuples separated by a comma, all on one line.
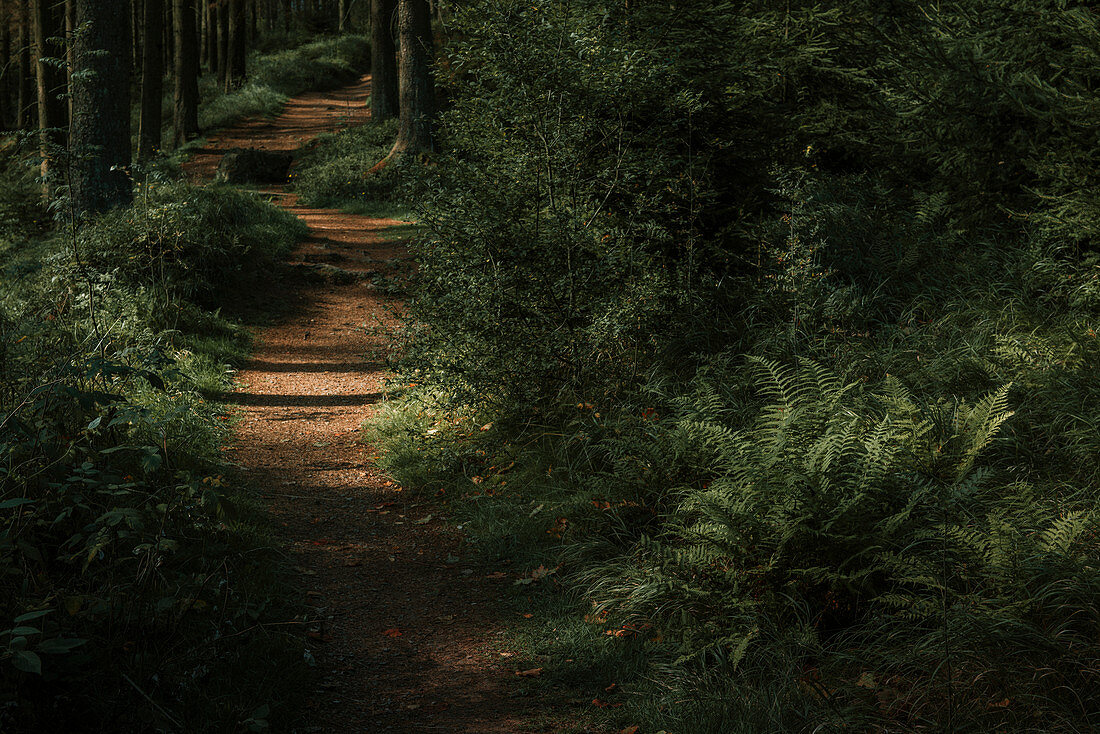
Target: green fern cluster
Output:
[(866, 535)]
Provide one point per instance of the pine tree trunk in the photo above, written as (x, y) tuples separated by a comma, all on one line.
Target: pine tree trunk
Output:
[(212, 62), (200, 23), (7, 72), (223, 42), (238, 47), (28, 100), (383, 61), (185, 116), (53, 109), (152, 82), (417, 89), (101, 107)]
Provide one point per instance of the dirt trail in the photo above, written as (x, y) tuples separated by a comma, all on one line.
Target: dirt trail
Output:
[(373, 558)]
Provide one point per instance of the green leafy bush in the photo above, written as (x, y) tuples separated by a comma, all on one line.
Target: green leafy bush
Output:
[(136, 585), (900, 198), (332, 170), (192, 241)]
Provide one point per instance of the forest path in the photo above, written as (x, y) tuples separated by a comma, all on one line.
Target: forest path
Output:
[(407, 622)]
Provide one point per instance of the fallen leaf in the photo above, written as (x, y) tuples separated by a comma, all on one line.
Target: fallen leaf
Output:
[(424, 520), (393, 632), (611, 687), (497, 575), (487, 426), (629, 730), (532, 673)]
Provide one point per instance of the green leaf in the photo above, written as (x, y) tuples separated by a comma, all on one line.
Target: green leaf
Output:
[(151, 461), (24, 631), (95, 423), (27, 661), (18, 501), (32, 615), (59, 646)]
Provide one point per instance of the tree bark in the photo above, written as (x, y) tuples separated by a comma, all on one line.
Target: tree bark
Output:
[(238, 45), (101, 107), (185, 116), (152, 82), (222, 16), (384, 100), (53, 109), (27, 98), (415, 134), (8, 100), (211, 36)]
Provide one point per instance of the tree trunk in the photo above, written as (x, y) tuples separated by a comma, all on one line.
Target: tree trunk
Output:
[(8, 100), (417, 88), (342, 21), (53, 109), (238, 48), (222, 9), (186, 65), (383, 61), (200, 24), (101, 107), (28, 99), (152, 82), (211, 36)]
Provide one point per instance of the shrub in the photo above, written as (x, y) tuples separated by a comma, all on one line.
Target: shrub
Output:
[(136, 586), (194, 242), (332, 170)]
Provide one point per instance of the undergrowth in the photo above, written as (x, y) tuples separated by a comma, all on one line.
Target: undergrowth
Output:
[(139, 590), (333, 172), (760, 340)]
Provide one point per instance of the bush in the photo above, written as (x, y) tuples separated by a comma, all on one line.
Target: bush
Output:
[(189, 241), (332, 170), (901, 201), (137, 587)]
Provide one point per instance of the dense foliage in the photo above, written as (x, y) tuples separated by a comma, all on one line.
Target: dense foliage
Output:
[(780, 322), (130, 564)]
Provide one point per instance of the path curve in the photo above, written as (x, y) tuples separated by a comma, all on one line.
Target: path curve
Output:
[(404, 633)]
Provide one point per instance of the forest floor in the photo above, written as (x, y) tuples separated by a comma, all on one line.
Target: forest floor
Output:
[(410, 633)]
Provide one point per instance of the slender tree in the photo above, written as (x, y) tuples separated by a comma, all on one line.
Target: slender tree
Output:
[(7, 71), (27, 105), (221, 8), (152, 81), (237, 52), (384, 100), (101, 107), (186, 72), (417, 89), (53, 109), (211, 38)]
